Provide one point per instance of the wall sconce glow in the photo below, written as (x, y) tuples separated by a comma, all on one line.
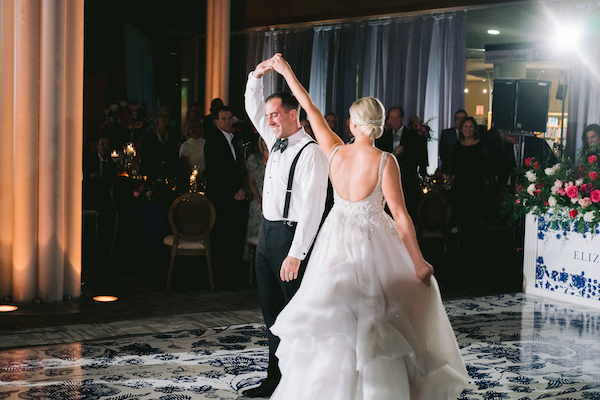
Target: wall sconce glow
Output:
[(105, 299), (466, 90), (7, 308), (484, 90), (493, 32)]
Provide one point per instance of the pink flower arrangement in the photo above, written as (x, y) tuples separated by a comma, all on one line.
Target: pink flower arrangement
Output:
[(423, 129), (126, 115), (561, 192)]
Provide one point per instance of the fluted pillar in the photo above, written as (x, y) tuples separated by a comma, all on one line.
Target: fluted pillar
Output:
[(217, 51), (42, 146)]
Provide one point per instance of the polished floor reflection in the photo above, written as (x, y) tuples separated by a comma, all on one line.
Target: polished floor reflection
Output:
[(515, 347)]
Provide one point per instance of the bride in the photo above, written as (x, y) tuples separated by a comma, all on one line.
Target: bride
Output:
[(367, 322)]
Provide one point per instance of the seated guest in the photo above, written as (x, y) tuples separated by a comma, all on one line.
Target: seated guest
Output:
[(591, 143), (447, 139), (160, 149), (255, 165), (470, 172), (99, 173), (191, 152)]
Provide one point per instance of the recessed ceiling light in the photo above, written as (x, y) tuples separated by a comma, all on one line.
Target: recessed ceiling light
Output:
[(493, 32)]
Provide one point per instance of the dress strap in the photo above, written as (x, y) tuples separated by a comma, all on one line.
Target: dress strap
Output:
[(333, 152), (382, 164)]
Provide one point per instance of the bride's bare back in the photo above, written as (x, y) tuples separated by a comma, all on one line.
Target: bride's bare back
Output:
[(354, 171)]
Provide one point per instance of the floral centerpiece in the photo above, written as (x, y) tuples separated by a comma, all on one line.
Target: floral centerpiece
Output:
[(423, 129), (569, 195), (122, 118)]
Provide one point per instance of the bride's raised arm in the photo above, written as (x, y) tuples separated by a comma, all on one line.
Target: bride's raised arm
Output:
[(328, 140)]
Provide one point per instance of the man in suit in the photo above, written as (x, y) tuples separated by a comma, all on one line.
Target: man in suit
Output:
[(411, 152), (208, 122), (224, 187), (512, 155), (99, 173), (447, 140), (291, 221)]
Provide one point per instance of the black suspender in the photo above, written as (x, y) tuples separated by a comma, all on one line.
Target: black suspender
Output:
[(288, 192)]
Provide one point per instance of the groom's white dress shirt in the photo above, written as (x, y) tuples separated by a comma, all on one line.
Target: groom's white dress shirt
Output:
[(309, 189)]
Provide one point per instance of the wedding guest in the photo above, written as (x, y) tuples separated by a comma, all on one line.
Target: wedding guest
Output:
[(331, 121), (447, 140), (191, 151), (208, 122), (160, 149), (256, 165), (306, 125), (99, 172), (347, 132), (513, 154), (194, 112), (591, 142), (470, 168)]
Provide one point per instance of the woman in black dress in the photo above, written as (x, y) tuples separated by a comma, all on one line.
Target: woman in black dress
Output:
[(469, 172)]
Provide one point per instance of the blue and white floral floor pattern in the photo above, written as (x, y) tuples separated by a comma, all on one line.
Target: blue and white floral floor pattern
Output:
[(515, 346)]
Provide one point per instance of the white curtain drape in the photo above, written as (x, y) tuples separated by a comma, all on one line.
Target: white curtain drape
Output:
[(41, 100)]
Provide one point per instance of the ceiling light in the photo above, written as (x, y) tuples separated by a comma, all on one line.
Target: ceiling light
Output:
[(466, 90), (493, 32), (484, 90)]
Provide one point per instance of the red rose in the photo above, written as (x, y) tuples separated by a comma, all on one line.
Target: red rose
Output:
[(538, 191), (539, 185), (593, 175), (537, 165), (518, 188), (572, 191), (587, 188), (573, 213), (595, 196), (592, 159), (528, 161), (546, 203)]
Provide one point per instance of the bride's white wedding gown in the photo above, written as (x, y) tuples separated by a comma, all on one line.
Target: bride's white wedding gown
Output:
[(362, 326)]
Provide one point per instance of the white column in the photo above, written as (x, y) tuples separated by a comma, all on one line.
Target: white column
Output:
[(26, 120), (41, 103), (217, 51), (74, 146), (7, 39)]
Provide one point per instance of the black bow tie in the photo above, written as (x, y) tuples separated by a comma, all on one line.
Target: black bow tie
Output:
[(280, 144)]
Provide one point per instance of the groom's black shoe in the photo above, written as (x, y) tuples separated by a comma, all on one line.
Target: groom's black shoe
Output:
[(266, 388)]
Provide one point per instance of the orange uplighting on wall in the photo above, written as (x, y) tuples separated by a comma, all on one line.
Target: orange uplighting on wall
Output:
[(105, 299), (7, 308)]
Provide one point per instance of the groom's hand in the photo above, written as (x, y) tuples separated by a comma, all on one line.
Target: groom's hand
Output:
[(289, 269), (262, 69)]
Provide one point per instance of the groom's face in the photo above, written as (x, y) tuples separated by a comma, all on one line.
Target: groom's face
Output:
[(283, 123)]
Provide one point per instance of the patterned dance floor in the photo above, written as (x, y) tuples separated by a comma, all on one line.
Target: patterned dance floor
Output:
[(515, 346)]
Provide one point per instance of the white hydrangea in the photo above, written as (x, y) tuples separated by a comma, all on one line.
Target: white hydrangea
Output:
[(531, 189), (588, 216), (530, 175), (579, 182), (552, 201)]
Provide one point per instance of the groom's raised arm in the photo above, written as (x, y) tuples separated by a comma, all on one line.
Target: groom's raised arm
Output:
[(255, 102)]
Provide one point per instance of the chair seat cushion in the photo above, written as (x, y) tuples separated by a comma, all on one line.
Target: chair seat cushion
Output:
[(184, 244)]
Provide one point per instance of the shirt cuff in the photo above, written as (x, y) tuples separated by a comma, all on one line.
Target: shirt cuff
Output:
[(296, 252)]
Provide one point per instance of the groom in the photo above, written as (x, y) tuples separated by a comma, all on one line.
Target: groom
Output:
[(294, 192)]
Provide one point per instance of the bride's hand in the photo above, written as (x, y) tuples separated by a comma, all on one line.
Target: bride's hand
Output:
[(279, 64), (263, 69), (424, 272)]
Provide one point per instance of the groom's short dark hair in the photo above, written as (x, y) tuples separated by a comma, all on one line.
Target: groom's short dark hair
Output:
[(288, 101)]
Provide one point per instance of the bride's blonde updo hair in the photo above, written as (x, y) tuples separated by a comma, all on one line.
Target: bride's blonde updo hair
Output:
[(369, 115)]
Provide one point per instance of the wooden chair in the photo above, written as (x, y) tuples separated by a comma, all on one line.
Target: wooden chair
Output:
[(434, 215), (191, 217), (252, 243)]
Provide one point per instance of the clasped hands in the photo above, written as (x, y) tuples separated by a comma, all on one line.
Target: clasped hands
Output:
[(275, 63)]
